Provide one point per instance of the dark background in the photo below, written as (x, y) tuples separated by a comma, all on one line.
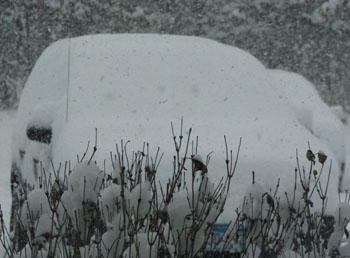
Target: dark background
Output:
[(308, 37)]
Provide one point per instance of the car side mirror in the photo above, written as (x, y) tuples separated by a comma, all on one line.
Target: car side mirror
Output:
[(39, 124), (39, 133)]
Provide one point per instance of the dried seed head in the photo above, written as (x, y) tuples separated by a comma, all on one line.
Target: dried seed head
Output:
[(270, 201), (310, 156), (334, 252), (149, 173), (321, 157), (198, 164)]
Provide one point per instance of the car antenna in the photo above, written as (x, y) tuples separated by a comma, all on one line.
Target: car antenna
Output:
[(68, 64), (68, 79)]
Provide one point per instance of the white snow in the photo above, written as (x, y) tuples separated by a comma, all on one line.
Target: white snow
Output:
[(325, 11), (6, 123), (86, 180), (132, 87), (311, 110), (140, 199), (342, 218), (339, 112), (110, 202), (44, 226), (43, 114), (112, 243), (189, 203), (346, 177), (254, 201), (36, 205), (330, 6)]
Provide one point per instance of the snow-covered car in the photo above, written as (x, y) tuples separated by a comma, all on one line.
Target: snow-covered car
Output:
[(312, 111), (131, 87)]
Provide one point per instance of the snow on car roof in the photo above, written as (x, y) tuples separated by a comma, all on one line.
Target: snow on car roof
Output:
[(132, 86)]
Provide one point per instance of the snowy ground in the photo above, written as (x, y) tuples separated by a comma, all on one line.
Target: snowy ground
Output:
[(6, 123)]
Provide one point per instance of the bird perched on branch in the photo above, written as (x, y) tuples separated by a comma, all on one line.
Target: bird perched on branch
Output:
[(191, 211), (198, 164), (203, 188)]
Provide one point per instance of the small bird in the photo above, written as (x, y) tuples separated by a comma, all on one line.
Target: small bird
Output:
[(186, 209), (198, 164), (203, 188)]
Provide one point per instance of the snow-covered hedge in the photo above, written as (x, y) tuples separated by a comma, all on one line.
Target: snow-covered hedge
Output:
[(85, 211)]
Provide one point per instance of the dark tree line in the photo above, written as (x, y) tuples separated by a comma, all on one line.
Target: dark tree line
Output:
[(308, 37)]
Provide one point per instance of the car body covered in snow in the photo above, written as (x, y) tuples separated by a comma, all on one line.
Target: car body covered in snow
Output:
[(311, 110), (131, 87)]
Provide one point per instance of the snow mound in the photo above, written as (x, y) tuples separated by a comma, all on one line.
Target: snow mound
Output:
[(110, 202), (34, 207), (86, 180)]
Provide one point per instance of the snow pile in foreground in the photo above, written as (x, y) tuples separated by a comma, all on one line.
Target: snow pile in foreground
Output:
[(91, 212), (126, 212)]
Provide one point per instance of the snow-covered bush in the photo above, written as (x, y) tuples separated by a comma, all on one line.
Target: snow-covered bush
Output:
[(127, 212), (88, 212)]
